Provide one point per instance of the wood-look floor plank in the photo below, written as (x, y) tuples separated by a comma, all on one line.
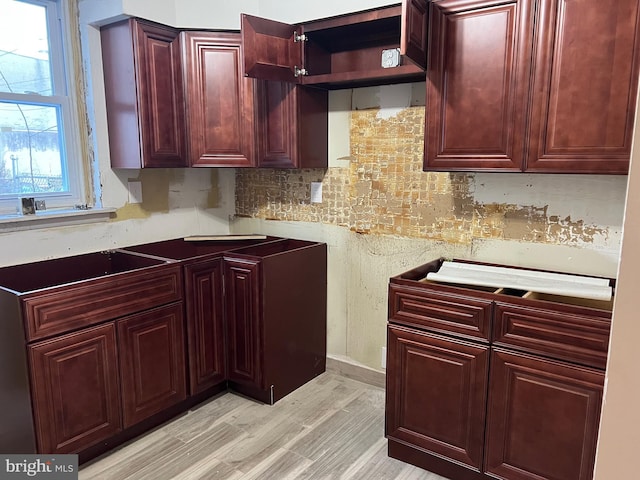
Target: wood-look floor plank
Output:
[(331, 428)]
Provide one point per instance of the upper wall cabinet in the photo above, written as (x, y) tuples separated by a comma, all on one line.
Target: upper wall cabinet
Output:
[(144, 95), (531, 85), (219, 101), (385, 45)]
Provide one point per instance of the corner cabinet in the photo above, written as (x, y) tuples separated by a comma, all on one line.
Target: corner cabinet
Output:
[(338, 52), (492, 383), (532, 85), (144, 95), (219, 101)]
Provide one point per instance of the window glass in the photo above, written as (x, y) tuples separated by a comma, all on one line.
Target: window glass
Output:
[(39, 133)]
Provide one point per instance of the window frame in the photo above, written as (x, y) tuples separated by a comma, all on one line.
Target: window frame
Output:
[(66, 77)]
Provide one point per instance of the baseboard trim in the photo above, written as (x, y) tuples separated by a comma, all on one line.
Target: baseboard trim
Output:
[(356, 371)]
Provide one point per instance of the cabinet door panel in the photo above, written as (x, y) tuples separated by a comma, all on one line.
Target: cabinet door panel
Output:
[(152, 367), (219, 101), (244, 329), (205, 327), (269, 50), (413, 35), (76, 400), (585, 83), (436, 391), (542, 419), (277, 132), (161, 96), (477, 82)]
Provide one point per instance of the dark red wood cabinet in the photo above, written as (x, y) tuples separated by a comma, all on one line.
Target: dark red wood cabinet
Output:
[(338, 52), (531, 85), (79, 344), (276, 307), (512, 390), (144, 94)]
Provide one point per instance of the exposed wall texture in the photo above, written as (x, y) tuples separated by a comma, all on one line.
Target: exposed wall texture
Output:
[(384, 191)]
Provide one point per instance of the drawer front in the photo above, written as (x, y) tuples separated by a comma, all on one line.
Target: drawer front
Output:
[(441, 312), (576, 338), (76, 306)]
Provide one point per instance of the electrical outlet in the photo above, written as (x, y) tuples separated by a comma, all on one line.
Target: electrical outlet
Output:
[(384, 357)]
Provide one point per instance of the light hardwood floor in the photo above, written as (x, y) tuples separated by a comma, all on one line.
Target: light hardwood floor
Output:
[(331, 428)]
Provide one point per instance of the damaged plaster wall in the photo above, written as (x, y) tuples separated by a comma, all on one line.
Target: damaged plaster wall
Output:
[(381, 214)]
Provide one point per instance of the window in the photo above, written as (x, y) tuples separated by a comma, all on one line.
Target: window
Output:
[(39, 150)]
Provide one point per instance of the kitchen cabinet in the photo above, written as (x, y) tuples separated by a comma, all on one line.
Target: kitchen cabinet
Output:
[(487, 382), (256, 313), (339, 52), (144, 95), (81, 335), (203, 272), (276, 307), (219, 101), (292, 127), (534, 86)]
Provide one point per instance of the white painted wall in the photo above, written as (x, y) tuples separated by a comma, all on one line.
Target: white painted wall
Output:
[(619, 433)]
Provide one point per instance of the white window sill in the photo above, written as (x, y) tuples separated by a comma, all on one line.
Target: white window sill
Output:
[(53, 218)]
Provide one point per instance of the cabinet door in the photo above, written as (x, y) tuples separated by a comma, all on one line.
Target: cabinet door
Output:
[(269, 49), (292, 125), (76, 400), (542, 418), (436, 392), (220, 105), (413, 33), (144, 95), (585, 85), (479, 60), (152, 366), (244, 329), (205, 327)]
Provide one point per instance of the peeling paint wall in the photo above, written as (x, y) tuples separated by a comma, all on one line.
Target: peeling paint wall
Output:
[(385, 192)]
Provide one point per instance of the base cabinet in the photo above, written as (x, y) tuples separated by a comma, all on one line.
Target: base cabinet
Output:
[(90, 385), (517, 398), (276, 309)]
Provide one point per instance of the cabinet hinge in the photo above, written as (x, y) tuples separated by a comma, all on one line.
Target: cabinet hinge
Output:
[(297, 72), (300, 37)]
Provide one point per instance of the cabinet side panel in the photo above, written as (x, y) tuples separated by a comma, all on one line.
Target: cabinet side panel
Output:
[(16, 422), (295, 317), (313, 127), (123, 116)]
